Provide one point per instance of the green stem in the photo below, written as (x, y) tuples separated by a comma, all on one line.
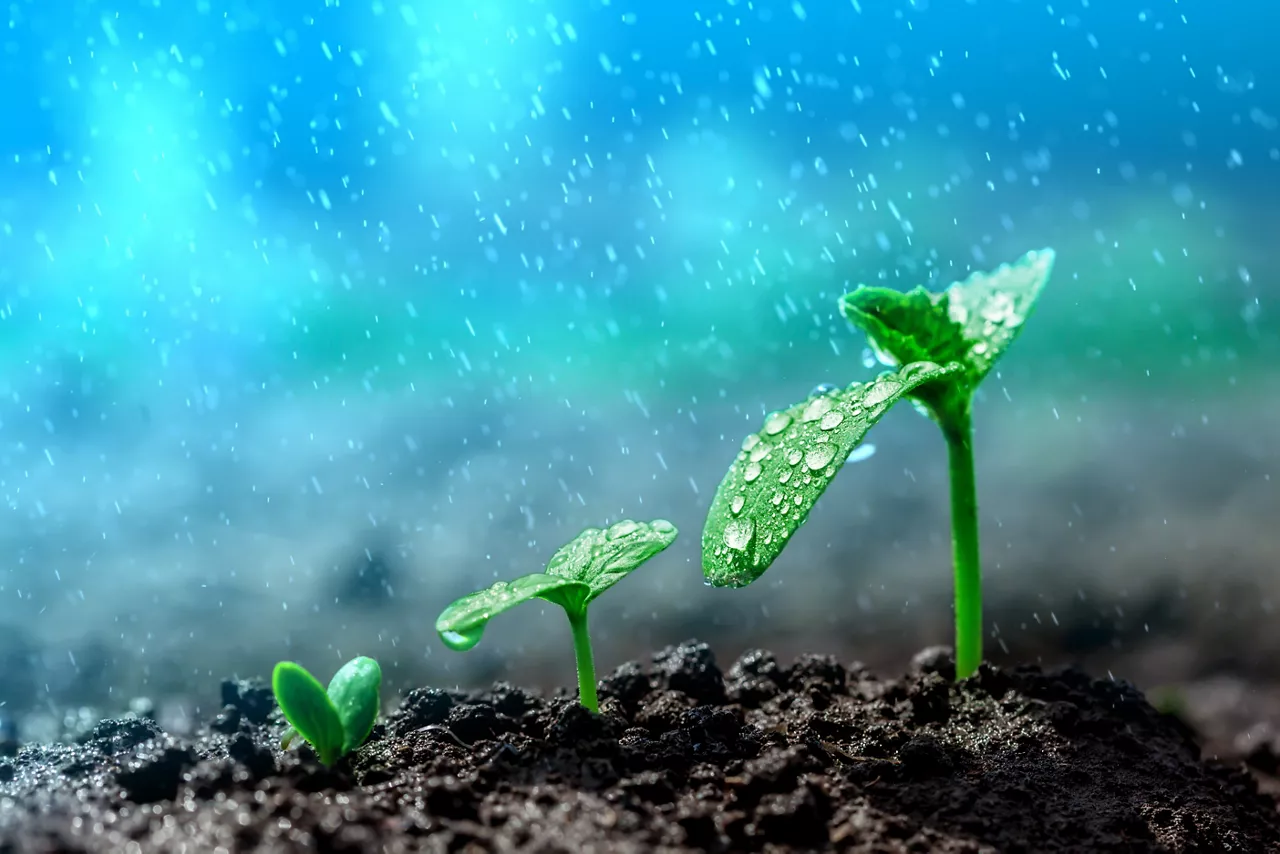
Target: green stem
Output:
[(964, 544), (586, 665)]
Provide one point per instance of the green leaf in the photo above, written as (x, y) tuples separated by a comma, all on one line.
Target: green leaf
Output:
[(602, 558), (354, 692), (782, 471), (972, 322), (462, 623), (308, 710)]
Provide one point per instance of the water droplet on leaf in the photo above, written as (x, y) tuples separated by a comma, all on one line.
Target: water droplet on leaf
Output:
[(819, 456), (735, 505), (776, 423), (738, 534), (832, 420), (817, 408), (751, 472)]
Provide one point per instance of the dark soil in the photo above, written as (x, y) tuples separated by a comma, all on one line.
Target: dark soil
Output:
[(806, 757)]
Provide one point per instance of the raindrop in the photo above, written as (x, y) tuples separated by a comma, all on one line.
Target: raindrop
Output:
[(735, 506), (776, 423), (752, 472), (832, 420), (760, 451), (738, 534), (794, 456), (820, 456), (786, 476)]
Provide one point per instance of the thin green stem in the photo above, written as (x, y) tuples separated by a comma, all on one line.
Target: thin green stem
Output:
[(964, 544), (586, 664)]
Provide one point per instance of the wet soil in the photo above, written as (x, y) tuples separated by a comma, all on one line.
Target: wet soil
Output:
[(807, 756)]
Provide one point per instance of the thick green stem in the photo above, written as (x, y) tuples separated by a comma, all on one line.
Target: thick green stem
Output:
[(586, 664), (964, 544)]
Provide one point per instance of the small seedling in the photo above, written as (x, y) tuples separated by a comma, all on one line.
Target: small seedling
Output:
[(579, 572), (946, 343), (334, 721)]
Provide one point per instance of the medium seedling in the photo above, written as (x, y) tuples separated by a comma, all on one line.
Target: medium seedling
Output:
[(334, 721), (946, 344), (579, 572)]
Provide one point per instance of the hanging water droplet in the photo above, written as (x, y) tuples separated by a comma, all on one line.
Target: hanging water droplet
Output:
[(794, 456), (751, 472), (735, 506), (817, 408), (832, 420), (776, 423), (738, 534), (819, 456)]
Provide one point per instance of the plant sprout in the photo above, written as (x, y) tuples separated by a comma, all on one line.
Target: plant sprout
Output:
[(946, 344), (576, 574), (334, 721)]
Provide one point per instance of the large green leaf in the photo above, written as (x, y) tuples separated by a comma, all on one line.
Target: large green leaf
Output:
[(602, 558), (782, 471), (971, 322), (462, 624)]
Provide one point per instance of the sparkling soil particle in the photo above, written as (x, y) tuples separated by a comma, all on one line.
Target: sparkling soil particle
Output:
[(808, 757)]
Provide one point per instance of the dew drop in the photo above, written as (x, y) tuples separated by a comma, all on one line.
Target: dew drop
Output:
[(776, 423), (751, 472), (776, 499), (759, 452), (750, 442), (794, 456), (832, 420), (738, 534), (784, 477), (820, 456), (735, 506)]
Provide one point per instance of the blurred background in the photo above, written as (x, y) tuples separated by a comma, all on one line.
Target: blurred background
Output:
[(316, 315)]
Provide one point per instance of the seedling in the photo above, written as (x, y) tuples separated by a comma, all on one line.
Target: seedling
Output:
[(946, 343), (334, 721), (579, 572)]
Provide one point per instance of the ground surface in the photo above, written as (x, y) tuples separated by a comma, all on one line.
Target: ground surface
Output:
[(769, 757)]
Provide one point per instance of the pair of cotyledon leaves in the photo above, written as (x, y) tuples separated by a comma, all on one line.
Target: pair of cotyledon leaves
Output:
[(945, 343), (576, 574), (336, 720)]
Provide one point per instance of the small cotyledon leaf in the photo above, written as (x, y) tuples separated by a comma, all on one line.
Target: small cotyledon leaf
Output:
[(600, 558), (354, 691), (462, 624), (972, 322), (308, 709), (782, 470)]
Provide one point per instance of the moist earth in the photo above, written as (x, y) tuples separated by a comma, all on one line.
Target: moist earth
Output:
[(808, 756)]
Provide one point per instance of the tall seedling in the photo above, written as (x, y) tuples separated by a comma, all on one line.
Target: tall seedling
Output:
[(945, 343)]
